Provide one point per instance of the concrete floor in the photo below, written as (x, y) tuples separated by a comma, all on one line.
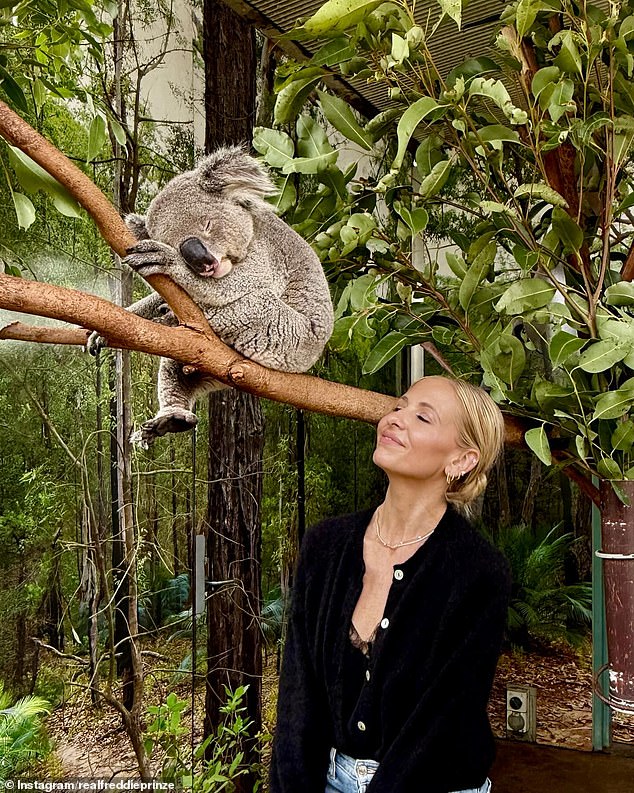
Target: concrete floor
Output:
[(535, 768)]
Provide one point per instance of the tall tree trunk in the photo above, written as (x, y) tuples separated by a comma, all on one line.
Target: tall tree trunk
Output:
[(234, 647), (236, 437)]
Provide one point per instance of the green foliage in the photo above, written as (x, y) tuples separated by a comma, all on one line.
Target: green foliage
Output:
[(22, 737), (528, 157), (224, 747), (543, 607)]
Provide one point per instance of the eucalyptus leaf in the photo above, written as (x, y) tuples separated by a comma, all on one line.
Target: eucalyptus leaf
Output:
[(336, 16), (476, 273), (453, 9), (563, 346), (96, 137), (537, 440), (525, 295), (385, 350), (275, 146), (623, 437), (609, 469), (620, 294), (496, 91), (601, 356), (436, 180), (291, 98), (613, 404), (340, 115), (411, 118), (24, 209), (525, 16), (541, 191)]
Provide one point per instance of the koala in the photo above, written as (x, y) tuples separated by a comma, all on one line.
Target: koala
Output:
[(259, 284)]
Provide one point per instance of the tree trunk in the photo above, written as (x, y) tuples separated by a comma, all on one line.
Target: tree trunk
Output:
[(234, 646), (236, 436)]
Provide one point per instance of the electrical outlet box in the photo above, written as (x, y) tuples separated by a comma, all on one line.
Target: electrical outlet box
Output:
[(521, 712)]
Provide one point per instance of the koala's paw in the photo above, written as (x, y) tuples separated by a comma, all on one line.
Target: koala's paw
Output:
[(95, 343), (166, 420), (149, 257)]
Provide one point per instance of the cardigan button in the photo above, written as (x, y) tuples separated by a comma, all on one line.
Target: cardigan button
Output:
[(398, 574), (385, 622), (367, 674), (361, 726)]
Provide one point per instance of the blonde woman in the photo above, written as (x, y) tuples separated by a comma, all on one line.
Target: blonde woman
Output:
[(398, 617)]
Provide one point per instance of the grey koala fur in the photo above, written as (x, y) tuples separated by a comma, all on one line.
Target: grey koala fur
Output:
[(260, 285)]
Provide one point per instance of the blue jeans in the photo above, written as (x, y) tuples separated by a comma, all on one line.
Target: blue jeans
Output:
[(347, 775)]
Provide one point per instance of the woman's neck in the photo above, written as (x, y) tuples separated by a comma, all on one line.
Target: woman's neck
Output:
[(410, 510)]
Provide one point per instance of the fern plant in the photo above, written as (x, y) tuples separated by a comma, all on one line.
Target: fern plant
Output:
[(543, 607), (22, 737)]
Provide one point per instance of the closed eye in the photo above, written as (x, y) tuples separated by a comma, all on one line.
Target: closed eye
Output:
[(423, 418)]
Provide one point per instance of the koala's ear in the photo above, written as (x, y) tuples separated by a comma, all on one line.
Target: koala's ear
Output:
[(234, 174), (136, 224)]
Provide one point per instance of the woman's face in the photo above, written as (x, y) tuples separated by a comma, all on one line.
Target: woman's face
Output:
[(418, 438)]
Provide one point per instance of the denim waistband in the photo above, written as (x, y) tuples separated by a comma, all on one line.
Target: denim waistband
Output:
[(357, 769)]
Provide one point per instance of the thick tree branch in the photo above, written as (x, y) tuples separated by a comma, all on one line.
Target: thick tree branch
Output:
[(111, 227)]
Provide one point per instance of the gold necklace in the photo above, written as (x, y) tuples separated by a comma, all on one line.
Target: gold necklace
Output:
[(398, 544)]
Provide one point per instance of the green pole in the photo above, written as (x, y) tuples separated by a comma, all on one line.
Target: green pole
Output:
[(601, 714)]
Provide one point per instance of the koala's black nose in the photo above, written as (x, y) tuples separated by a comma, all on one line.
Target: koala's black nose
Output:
[(194, 252)]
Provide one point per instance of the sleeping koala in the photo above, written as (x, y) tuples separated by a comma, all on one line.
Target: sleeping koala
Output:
[(259, 283)]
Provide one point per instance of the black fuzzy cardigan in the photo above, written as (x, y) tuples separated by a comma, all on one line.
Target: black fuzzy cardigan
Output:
[(432, 665)]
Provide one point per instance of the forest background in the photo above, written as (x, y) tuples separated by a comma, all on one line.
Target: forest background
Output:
[(69, 483)]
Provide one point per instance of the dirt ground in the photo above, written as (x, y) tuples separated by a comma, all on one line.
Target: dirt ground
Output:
[(91, 744)]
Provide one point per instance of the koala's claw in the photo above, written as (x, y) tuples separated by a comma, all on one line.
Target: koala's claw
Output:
[(95, 343), (166, 420), (151, 256)]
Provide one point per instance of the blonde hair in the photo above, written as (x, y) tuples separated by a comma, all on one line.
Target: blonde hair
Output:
[(480, 426)]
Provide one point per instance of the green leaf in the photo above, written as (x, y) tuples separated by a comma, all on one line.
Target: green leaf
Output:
[(117, 131), (410, 119), (601, 356), (506, 358), (537, 440), (563, 346), (312, 140), (526, 294), (363, 292), (385, 350), (96, 137), (476, 273), (291, 98), (338, 112), (613, 404), (609, 469), (472, 67), (525, 16), (415, 219), (453, 9), (33, 177), (13, 90), (543, 79), (567, 230), (497, 93), (336, 16), (623, 436), (24, 209), (620, 294), (456, 264), (287, 196), (542, 192), (498, 132), (275, 146), (333, 52), (436, 180), (400, 48)]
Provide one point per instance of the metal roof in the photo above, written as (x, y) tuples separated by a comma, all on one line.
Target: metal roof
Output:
[(449, 46)]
